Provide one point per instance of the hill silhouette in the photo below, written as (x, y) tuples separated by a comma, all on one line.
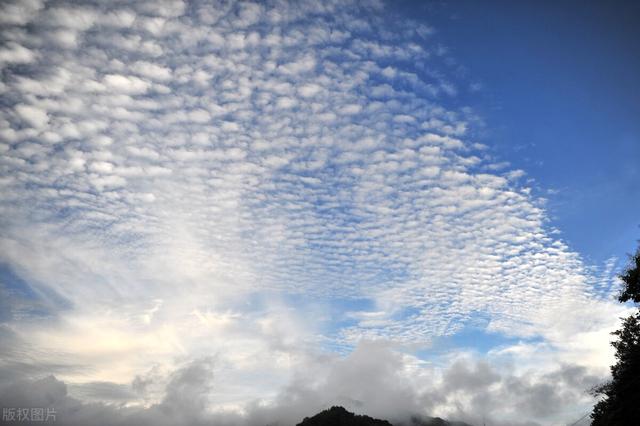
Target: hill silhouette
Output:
[(338, 416), (430, 421)]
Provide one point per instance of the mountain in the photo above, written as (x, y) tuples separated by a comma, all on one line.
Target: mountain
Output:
[(338, 416), (430, 421)]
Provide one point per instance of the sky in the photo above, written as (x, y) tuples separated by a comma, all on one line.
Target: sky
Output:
[(573, 65), (242, 213)]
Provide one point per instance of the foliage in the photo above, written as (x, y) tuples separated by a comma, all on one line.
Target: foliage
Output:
[(631, 279), (621, 403)]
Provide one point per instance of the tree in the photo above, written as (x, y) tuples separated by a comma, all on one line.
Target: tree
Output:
[(621, 403), (631, 279)]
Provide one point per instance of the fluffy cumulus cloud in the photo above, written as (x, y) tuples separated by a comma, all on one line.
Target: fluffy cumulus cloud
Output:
[(287, 197)]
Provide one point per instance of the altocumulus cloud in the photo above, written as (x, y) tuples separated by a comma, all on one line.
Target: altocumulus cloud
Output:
[(287, 197)]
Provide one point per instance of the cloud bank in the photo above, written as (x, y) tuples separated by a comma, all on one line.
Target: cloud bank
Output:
[(274, 186), (372, 379)]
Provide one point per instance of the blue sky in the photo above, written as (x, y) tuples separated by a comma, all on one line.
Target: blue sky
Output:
[(573, 66), (254, 210)]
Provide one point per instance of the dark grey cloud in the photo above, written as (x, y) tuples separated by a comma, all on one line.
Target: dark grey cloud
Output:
[(528, 395), (102, 391), (463, 376), (183, 404)]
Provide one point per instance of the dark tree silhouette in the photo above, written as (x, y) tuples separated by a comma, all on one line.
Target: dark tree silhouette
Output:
[(621, 403), (631, 279)]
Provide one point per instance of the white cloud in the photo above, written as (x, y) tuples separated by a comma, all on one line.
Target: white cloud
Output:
[(309, 90), (78, 18), (126, 84), (33, 115), (19, 12), (152, 70), (15, 53)]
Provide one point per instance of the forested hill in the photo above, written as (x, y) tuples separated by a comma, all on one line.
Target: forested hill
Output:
[(338, 416)]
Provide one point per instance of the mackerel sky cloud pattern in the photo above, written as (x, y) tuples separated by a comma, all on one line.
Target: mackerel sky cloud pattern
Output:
[(244, 178)]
